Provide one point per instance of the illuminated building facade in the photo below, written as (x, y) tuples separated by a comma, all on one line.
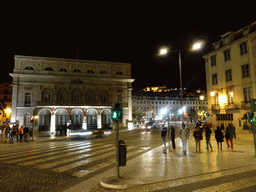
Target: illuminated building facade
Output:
[(6, 97), (56, 91), (154, 102), (230, 77)]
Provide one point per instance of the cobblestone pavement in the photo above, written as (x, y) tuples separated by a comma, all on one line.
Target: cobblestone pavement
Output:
[(57, 164), (215, 170), (71, 165)]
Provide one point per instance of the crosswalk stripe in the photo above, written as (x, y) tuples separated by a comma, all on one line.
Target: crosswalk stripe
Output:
[(68, 153), (231, 186), (34, 147), (83, 162), (74, 158), (38, 151), (28, 157), (85, 172)]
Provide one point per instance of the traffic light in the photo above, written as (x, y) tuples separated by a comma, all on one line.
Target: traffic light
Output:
[(117, 114), (253, 105), (251, 118)]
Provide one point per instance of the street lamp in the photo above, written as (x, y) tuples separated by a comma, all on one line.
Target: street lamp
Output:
[(164, 51)]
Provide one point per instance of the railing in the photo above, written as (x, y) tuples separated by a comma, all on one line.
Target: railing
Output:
[(216, 107), (71, 103), (232, 106), (245, 105), (76, 103)]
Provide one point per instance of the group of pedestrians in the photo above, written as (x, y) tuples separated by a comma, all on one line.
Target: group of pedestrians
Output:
[(20, 133), (229, 133)]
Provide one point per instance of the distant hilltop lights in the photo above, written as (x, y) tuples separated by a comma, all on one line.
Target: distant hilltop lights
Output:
[(160, 89)]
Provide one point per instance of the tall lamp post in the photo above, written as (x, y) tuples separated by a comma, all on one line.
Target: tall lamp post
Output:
[(164, 51)]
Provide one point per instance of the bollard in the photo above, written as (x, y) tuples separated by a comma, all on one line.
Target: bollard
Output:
[(122, 153)]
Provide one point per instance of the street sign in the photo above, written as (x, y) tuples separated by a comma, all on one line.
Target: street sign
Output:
[(208, 114)]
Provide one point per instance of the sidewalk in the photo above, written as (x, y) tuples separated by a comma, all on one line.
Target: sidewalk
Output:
[(151, 170)]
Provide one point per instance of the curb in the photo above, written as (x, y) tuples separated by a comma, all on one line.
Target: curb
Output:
[(113, 183)]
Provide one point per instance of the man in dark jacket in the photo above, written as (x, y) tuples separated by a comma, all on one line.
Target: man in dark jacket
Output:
[(230, 134), (173, 137), (208, 133)]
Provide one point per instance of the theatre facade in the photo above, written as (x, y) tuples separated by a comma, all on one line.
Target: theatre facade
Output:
[(55, 91)]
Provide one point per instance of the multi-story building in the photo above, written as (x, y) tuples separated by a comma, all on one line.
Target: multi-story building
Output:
[(231, 76), (55, 91), (6, 98), (150, 104)]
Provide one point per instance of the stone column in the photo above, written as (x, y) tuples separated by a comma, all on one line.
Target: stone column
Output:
[(53, 124)]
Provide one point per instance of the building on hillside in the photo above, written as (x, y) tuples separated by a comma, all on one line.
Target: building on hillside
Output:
[(6, 97), (56, 91), (150, 104), (230, 77)]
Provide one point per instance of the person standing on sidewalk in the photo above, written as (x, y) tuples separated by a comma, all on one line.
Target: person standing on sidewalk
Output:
[(208, 133), (219, 137), (184, 135), (198, 137), (230, 134), (11, 134), (173, 137), (26, 132), (163, 135), (21, 133)]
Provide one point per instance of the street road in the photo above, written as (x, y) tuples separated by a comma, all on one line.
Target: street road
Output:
[(58, 165)]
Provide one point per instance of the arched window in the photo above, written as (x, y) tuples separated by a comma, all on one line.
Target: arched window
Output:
[(90, 96), (104, 96), (77, 71), (119, 73), (63, 70), (103, 72), (29, 68), (47, 95), (76, 96), (28, 100), (90, 71), (62, 96), (48, 69)]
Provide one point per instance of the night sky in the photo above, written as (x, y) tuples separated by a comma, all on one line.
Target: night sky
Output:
[(122, 32)]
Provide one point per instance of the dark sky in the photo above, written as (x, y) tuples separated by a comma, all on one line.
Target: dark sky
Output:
[(121, 32)]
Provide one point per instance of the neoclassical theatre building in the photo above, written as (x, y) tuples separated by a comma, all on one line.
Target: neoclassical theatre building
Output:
[(56, 91)]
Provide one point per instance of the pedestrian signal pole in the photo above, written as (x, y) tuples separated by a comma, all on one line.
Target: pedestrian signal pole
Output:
[(252, 121), (117, 116)]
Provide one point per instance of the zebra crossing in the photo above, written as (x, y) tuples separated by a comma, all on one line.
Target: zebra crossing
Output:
[(78, 159)]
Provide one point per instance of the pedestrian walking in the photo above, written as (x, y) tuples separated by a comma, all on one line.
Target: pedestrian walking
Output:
[(230, 134), (219, 137), (198, 137), (184, 135), (163, 135), (208, 133), (173, 138), (26, 133)]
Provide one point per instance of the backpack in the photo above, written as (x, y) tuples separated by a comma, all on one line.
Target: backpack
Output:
[(163, 133)]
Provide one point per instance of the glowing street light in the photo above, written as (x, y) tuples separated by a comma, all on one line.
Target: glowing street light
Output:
[(197, 46), (164, 51)]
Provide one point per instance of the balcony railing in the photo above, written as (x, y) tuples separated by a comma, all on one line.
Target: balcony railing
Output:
[(75, 103), (216, 107), (232, 106), (71, 103), (245, 105)]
